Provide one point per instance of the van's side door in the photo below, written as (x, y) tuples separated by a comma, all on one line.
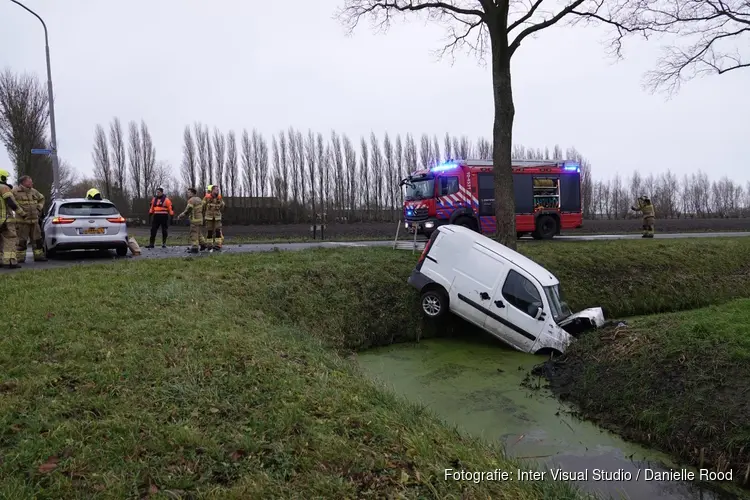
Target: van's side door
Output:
[(513, 303), (477, 273)]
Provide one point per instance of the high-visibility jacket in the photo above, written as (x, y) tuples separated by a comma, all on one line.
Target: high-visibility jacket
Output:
[(32, 202), (647, 208), (212, 207), (195, 210), (161, 205)]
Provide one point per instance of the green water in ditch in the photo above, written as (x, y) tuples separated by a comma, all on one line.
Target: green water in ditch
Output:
[(478, 384)]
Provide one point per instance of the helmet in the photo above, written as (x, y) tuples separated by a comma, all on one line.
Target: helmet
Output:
[(4, 174), (209, 188), (93, 194), (160, 189)]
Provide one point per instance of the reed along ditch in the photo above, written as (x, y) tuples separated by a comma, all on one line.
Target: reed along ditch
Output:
[(487, 390)]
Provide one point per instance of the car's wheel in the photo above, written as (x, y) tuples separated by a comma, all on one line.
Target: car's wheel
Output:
[(121, 252), (49, 253), (546, 227), (434, 303)]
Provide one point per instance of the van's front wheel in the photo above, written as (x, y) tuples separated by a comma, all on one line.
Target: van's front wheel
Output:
[(434, 303)]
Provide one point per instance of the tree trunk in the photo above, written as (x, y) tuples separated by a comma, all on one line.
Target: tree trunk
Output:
[(502, 143)]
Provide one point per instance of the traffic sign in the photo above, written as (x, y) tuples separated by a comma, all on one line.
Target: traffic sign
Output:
[(41, 151)]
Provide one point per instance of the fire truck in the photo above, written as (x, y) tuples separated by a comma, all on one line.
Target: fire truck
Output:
[(547, 197)]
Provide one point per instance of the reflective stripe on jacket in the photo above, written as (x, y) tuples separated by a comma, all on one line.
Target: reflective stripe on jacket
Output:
[(161, 205)]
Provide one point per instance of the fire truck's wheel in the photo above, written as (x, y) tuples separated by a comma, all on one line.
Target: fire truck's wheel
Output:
[(546, 227), (467, 222)]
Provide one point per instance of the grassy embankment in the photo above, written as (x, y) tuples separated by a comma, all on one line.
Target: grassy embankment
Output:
[(216, 376), (681, 380)]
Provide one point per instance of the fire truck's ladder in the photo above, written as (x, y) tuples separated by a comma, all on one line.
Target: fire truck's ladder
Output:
[(413, 245)]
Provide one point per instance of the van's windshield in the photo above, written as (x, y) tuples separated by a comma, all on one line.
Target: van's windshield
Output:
[(560, 309)]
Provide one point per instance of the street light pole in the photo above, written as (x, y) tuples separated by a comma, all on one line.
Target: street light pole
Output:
[(50, 96)]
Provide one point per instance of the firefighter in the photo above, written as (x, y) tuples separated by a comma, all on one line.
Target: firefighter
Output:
[(213, 205), (645, 206), (7, 221), (32, 202), (194, 210), (93, 194), (160, 211)]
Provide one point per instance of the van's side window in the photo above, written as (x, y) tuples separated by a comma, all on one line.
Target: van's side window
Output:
[(448, 185), (521, 292)]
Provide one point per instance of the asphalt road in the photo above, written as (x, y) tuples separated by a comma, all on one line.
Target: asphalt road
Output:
[(87, 257)]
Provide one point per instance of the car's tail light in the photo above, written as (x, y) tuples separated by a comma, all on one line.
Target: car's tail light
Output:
[(63, 220), (116, 220)]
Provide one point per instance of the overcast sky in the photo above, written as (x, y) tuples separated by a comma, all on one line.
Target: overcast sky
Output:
[(243, 64)]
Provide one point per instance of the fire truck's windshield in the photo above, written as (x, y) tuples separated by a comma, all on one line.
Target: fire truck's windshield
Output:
[(420, 189), (560, 309)]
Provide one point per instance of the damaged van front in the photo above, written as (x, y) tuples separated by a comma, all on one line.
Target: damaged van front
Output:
[(564, 326)]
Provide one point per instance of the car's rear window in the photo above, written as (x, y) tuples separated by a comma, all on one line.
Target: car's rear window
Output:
[(88, 209)]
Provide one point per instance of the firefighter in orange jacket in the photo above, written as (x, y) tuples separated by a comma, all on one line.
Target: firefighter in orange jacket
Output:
[(213, 205), (160, 213)]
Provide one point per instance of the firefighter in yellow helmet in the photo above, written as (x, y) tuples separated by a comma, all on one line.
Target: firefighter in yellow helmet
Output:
[(213, 205), (8, 239), (93, 194), (647, 208), (32, 202)]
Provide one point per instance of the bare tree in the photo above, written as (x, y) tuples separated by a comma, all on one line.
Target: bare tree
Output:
[(435, 150), (300, 151), (23, 121), (261, 152), (232, 163), (400, 167), (220, 147), (425, 152), (68, 179), (149, 160), (100, 157), (323, 162), (339, 175), (353, 183), (377, 172), (366, 176), (284, 170), (119, 159), (483, 26), (277, 187), (135, 157), (391, 174), (248, 169), (410, 154), (201, 141), (711, 33), (448, 147), (312, 158), (189, 161), (484, 148)]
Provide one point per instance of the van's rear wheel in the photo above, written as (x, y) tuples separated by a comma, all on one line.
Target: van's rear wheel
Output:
[(434, 303), (546, 227)]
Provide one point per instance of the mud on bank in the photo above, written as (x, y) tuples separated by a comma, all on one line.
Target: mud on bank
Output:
[(678, 382)]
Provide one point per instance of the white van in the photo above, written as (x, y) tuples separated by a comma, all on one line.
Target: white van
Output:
[(497, 289)]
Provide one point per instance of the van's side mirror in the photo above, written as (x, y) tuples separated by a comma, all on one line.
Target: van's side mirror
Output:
[(535, 311)]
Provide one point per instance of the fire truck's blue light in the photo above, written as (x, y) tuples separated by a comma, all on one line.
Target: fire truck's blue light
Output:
[(443, 167), (409, 212), (573, 166)]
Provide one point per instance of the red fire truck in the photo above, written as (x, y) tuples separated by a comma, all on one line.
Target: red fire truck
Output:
[(547, 196)]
